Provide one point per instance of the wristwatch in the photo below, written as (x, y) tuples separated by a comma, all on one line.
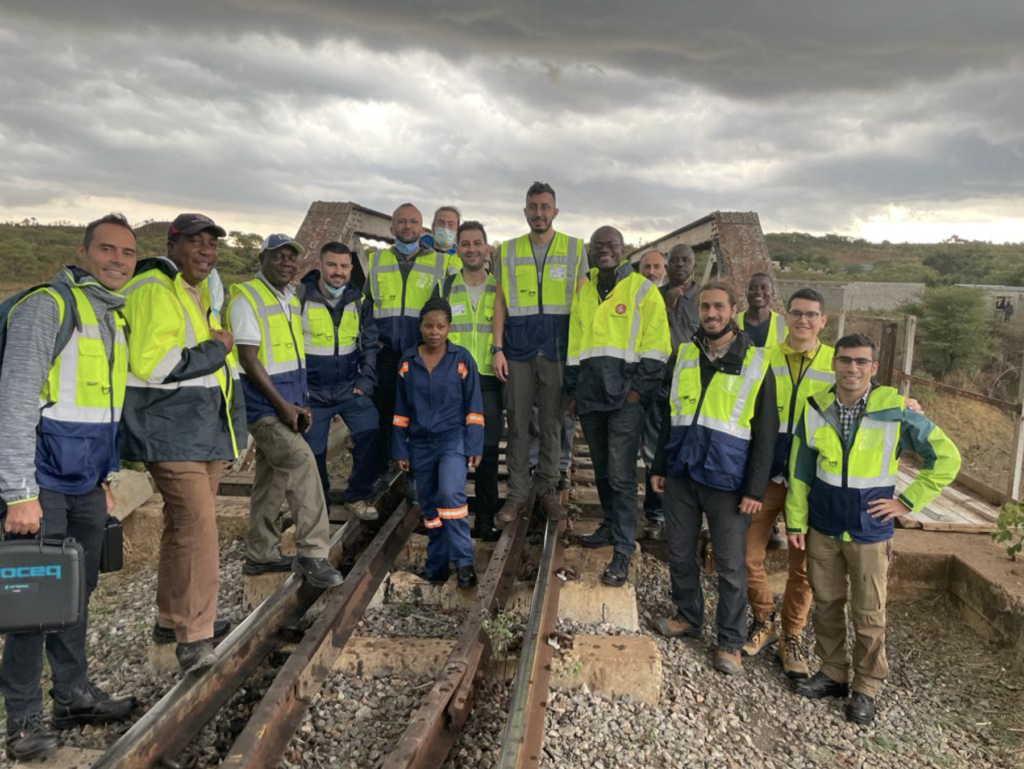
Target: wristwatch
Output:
[(495, 348)]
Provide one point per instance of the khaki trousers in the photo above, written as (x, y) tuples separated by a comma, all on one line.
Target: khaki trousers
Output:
[(536, 381), (188, 574), (861, 570), (285, 469), (796, 600)]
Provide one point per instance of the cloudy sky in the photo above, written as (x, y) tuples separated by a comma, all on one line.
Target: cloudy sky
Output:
[(883, 119)]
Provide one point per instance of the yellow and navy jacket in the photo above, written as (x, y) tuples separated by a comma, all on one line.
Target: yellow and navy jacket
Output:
[(777, 328), (831, 481), (722, 419), (184, 402), (398, 288), (792, 392), (472, 327), (538, 298), (340, 342), (443, 406), (616, 345)]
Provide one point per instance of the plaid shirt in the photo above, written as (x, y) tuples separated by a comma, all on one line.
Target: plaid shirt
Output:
[(850, 415)]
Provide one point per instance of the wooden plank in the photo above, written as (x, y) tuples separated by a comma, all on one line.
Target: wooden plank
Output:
[(950, 390)]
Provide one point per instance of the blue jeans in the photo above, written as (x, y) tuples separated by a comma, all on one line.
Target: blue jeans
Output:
[(360, 416), (82, 517)]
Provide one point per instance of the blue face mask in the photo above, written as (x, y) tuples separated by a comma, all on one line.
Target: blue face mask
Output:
[(334, 293), (406, 249)]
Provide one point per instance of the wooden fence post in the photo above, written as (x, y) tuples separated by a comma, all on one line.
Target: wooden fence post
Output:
[(887, 353), (842, 324), (1013, 492), (908, 354)]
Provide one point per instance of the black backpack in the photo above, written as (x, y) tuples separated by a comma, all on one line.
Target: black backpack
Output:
[(69, 323)]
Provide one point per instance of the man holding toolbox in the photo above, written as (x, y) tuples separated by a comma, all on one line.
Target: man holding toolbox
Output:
[(60, 404)]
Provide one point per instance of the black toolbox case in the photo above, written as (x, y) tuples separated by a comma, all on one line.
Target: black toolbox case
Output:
[(42, 584)]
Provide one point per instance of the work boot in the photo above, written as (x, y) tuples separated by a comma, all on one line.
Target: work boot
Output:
[(762, 633), (165, 635), (318, 572), (195, 656), (510, 512), (435, 578), (466, 576), (600, 538), (362, 510), (674, 627), (728, 661), (88, 704), (552, 507), (860, 709), (819, 686), (791, 655), (617, 572), (484, 529), (252, 568), (563, 482), (31, 738), (655, 531)]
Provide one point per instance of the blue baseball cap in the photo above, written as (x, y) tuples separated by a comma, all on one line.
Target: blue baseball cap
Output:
[(279, 239)]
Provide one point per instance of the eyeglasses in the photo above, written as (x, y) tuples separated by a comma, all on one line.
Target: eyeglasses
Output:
[(797, 315), (846, 360)]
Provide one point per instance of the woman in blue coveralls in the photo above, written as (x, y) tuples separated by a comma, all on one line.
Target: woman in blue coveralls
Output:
[(439, 433)]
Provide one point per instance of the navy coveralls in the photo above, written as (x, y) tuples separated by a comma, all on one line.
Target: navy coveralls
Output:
[(438, 423)]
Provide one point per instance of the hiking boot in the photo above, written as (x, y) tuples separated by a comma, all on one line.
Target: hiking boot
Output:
[(819, 686), (31, 738), (466, 576), (552, 508), (510, 512), (617, 572), (252, 568), (362, 510), (165, 635), (318, 572), (728, 661), (860, 709), (600, 538), (88, 704), (762, 633), (673, 627), (195, 656), (791, 655)]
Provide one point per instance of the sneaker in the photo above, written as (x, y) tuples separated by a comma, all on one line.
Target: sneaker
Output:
[(563, 482), (762, 633), (819, 686), (252, 568), (466, 577), (510, 512), (195, 656), (791, 655), (165, 635), (552, 508), (88, 704), (600, 538), (362, 510), (31, 738), (728, 661), (673, 627), (617, 572), (860, 709), (318, 572)]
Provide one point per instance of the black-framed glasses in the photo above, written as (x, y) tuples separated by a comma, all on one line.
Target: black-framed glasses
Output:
[(846, 360), (798, 315)]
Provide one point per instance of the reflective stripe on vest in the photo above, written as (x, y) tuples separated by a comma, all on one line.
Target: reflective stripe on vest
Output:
[(393, 296), (519, 276), (281, 348), (727, 406), (84, 386), (471, 326), (322, 337), (872, 460)]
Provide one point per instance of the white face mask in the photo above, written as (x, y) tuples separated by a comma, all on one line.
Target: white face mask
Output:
[(444, 238)]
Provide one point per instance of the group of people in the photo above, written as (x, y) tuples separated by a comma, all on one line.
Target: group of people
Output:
[(740, 417)]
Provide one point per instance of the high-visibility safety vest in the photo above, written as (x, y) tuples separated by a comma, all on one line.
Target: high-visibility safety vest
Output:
[(398, 299), (281, 352), (538, 297), (472, 326), (777, 328), (322, 338), (711, 429), (80, 404), (832, 480), (163, 321), (792, 395)]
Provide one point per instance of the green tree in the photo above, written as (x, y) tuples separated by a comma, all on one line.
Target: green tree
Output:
[(953, 328)]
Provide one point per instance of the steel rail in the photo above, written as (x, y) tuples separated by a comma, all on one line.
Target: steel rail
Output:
[(524, 733), (265, 738), (176, 719), (437, 722)]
